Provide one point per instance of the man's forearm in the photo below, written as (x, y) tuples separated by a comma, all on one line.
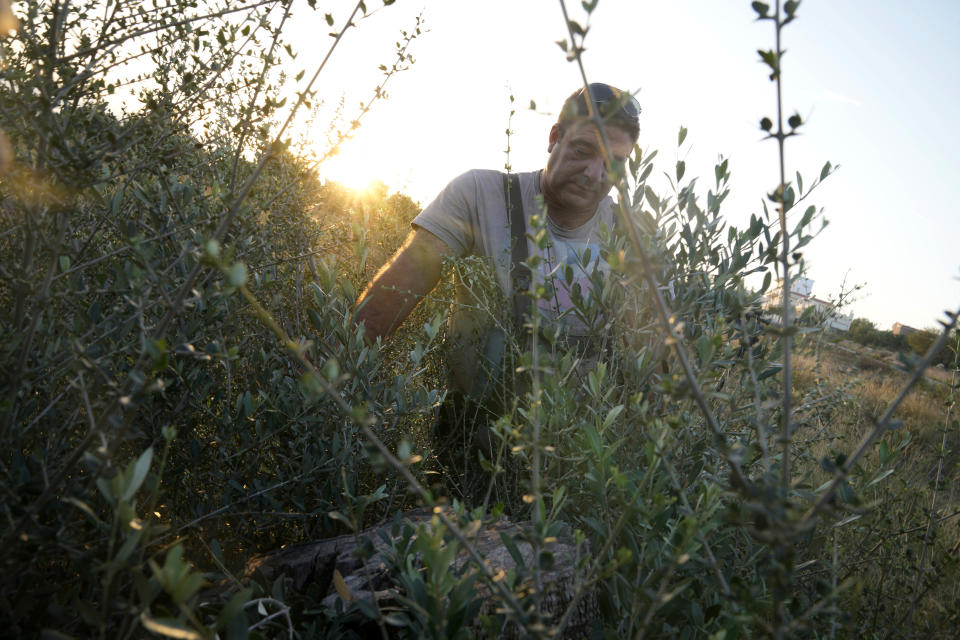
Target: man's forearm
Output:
[(385, 304), (400, 285)]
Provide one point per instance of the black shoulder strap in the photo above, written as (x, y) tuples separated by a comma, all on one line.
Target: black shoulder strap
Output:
[(519, 273)]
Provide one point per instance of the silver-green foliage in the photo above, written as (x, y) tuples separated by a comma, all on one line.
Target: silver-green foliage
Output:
[(161, 289), (146, 135)]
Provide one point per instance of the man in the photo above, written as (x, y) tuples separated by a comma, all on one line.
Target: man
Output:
[(478, 214)]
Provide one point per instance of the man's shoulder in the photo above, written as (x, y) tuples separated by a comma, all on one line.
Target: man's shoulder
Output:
[(491, 177), (482, 178), (470, 183), (482, 189)]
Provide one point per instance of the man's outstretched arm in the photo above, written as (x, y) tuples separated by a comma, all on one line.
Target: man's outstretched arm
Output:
[(411, 274)]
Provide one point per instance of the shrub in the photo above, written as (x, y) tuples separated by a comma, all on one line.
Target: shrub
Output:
[(183, 386)]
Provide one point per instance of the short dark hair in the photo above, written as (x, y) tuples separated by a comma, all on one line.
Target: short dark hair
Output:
[(617, 108)]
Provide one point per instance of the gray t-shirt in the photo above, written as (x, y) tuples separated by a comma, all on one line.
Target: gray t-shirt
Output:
[(470, 216)]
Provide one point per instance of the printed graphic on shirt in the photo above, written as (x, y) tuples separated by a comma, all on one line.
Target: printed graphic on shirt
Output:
[(568, 266)]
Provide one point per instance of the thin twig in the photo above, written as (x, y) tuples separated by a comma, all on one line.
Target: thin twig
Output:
[(787, 314), (284, 612), (882, 424)]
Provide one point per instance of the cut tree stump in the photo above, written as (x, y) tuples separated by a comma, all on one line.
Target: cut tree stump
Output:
[(307, 563)]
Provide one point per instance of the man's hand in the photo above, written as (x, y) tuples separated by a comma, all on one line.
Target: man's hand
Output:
[(411, 274)]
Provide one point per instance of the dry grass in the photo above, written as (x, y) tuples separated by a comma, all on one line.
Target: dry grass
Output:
[(840, 396), (842, 393)]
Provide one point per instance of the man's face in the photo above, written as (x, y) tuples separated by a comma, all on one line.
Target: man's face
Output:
[(576, 178)]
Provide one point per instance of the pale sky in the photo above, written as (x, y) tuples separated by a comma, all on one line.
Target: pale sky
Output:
[(876, 81)]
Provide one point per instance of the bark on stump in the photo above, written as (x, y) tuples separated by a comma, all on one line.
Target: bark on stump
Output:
[(314, 562)]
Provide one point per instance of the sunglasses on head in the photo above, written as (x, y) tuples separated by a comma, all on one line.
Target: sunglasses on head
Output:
[(611, 100)]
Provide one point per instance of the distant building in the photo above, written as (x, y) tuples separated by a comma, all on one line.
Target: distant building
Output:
[(800, 286), (902, 329), (801, 295)]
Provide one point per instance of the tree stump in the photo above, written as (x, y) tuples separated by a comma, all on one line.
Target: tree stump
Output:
[(316, 562)]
